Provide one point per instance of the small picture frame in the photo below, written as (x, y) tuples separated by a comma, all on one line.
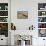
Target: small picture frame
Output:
[(22, 14)]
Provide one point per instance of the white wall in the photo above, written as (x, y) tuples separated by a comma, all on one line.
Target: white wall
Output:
[(28, 5), (32, 7), (20, 6)]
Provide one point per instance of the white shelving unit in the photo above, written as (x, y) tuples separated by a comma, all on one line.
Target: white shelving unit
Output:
[(4, 23), (4, 15), (42, 18)]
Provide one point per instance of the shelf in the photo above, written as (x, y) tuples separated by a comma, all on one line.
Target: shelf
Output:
[(3, 16), (41, 10), (41, 22), (3, 10), (41, 28), (3, 22), (42, 16)]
